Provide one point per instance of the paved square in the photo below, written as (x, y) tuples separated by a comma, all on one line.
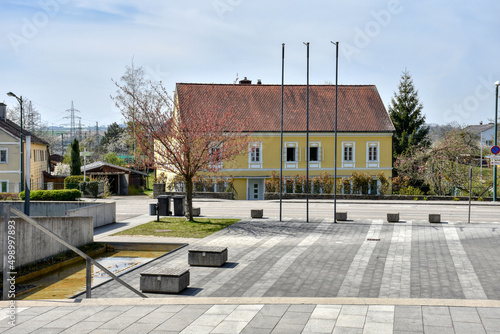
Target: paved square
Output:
[(361, 258)]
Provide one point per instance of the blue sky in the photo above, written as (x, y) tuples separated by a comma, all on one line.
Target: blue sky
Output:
[(57, 51)]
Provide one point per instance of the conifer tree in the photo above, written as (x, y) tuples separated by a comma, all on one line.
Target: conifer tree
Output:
[(405, 111), (75, 158)]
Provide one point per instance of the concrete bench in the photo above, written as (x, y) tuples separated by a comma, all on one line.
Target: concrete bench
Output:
[(341, 216), (196, 212), (164, 280), (207, 256), (256, 213), (434, 218), (393, 217)]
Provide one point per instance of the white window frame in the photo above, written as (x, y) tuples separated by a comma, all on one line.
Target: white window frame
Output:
[(252, 161), (349, 163), (297, 150), (321, 153), (373, 163), (6, 156), (211, 150)]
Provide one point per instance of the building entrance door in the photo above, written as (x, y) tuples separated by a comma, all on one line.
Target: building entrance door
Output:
[(255, 189)]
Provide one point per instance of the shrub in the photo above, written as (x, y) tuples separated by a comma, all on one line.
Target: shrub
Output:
[(53, 195), (72, 182), (89, 188), (410, 191), (9, 196)]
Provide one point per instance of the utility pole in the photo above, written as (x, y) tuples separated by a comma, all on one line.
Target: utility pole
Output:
[(72, 121)]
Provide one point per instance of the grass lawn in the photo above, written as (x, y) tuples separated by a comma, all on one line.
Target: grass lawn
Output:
[(180, 227)]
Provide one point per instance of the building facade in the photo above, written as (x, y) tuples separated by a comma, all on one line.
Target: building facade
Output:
[(10, 156), (364, 131)]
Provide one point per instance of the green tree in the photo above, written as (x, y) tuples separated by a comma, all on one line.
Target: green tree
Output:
[(405, 111), (75, 158), (113, 132), (114, 159)]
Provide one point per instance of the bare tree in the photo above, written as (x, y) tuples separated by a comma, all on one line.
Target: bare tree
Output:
[(184, 142)]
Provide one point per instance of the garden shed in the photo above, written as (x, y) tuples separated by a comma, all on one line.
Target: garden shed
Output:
[(120, 178)]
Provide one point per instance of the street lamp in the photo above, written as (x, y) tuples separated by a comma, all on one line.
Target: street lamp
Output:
[(496, 143), (20, 100)]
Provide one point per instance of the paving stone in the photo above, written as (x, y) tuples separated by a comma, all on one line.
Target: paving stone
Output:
[(438, 330), (354, 310), (468, 327), (347, 320), (274, 310), (262, 321), (319, 326), (329, 312), (230, 327), (377, 328), (347, 330), (408, 324)]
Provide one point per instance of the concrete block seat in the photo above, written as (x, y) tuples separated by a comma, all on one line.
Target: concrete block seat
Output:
[(393, 217), (256, 213), (341, 216), (207, 256), (434, 217), (164, 280)]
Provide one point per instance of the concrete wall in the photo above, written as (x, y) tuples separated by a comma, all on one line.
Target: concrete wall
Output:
[(105, 214), (33, 245), (102, 213)]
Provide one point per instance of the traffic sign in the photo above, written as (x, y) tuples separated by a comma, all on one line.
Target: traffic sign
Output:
[(495, 162), (495, 149)]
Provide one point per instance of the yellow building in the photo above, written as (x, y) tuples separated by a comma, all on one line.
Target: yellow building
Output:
[(364, 136), (10, 156)]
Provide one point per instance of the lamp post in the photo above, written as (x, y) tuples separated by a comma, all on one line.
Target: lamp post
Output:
[(496, 143), (20, 100)]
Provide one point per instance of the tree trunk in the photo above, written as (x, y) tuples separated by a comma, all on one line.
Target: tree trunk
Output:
[(189, 198)]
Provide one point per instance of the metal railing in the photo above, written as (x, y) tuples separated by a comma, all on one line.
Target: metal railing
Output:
[(89, 261)]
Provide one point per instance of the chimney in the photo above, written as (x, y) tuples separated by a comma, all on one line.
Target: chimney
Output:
[(245, 81), (481, 123), (3, 111), (259, 82)]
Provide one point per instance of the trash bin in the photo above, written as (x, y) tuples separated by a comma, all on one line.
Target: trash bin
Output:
[(178, 205), (152, 209), (164, 205)]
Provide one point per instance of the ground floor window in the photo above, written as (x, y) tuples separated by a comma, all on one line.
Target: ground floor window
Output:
[(4, 186)]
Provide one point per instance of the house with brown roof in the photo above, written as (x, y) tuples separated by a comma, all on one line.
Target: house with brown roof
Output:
[(10, 156), (364, 134)]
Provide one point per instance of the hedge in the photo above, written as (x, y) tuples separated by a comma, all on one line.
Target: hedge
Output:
[(53, 195), (71, 182)]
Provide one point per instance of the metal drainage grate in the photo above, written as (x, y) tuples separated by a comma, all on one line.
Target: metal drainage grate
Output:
[(373, 239)]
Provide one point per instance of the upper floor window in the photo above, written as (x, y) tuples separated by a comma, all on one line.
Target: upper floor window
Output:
[(291, 154), (373, 152), (348, 151), (315, 151), (3, 155), (255, 154)]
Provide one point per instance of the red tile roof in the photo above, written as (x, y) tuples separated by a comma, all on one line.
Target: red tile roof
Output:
[(360, 108)]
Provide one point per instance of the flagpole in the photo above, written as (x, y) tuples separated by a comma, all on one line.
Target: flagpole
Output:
[(335, 159), (281, 149), (307, 137)]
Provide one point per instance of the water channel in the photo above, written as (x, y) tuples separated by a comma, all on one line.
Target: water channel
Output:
[(70, 280)]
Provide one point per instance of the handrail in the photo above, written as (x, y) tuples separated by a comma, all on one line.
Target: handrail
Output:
[(73, 248)]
